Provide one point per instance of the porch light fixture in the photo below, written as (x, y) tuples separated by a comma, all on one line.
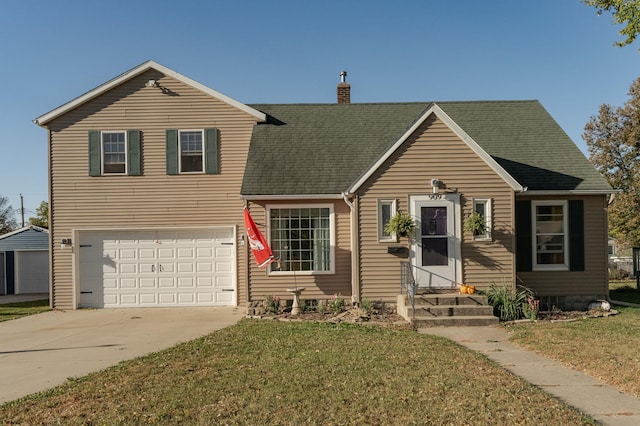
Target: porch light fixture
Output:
[(435, 185), (152, 83)]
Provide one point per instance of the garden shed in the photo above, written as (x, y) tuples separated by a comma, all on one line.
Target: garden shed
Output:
[(24, 261)]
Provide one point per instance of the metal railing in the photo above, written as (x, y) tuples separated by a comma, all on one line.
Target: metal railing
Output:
[(408, 285)]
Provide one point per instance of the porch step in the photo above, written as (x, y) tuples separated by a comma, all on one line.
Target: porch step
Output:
[(447, 310), (450, 311), (459, 321)]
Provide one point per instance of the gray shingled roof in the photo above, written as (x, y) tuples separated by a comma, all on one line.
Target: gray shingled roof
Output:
[(27, 238), (324, 148)]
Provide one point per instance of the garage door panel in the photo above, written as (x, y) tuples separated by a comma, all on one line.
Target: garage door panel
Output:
[(166, 253), (146, 253), (186, 282), (166, 282), (157, 268), (184, 267), (146, 283), (128, 268)]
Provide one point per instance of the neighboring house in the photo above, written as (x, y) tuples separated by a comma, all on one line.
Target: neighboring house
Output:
[(150, 171), (620, 260), (24, 261)]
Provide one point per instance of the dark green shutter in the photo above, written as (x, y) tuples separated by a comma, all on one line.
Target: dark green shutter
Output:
[(134, 153), (95, 157), (576, 235), (211, 150), (172, 151), (524, 237)]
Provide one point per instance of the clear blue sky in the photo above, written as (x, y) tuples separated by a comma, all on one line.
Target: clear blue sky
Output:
[(557, 51)]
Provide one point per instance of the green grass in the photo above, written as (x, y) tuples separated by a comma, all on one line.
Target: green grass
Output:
[(272, 372), (22, 309), (605, 348)]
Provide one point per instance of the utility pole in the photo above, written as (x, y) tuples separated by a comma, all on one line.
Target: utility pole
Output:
[(22, 209)]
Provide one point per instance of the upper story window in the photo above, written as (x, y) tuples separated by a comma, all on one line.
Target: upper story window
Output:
[(386, 210), (114, 153), (191, 152), (550, 235), (302, 238), (482, 206)]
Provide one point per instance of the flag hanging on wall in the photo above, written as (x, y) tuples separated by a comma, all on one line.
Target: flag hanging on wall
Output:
[(258, 244)]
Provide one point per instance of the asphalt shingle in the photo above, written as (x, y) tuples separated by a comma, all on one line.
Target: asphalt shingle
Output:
[(309, 149)]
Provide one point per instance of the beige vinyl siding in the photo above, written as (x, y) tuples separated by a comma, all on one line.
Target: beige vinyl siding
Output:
[(594, 279), (153, 199), (434, 151), (318, 286)]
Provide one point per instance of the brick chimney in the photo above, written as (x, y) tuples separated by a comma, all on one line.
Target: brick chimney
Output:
[(344, 89)]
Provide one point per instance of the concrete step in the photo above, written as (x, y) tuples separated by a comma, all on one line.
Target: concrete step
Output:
[(452, 299), (457, 321), (450, 310)]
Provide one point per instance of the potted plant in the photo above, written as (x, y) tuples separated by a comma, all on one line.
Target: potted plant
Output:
[(401, 224), (475, 224)]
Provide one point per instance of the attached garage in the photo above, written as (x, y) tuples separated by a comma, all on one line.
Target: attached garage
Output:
[(156, 267)]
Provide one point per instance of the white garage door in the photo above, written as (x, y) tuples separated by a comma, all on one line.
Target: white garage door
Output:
[(32, 272), (157, 268)]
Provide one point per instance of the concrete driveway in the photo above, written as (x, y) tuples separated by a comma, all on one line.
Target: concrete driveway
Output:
[(41, 351)]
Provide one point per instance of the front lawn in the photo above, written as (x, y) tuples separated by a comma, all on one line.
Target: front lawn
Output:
[(273, 372), (22, 309), (605, 348), (624, 291)]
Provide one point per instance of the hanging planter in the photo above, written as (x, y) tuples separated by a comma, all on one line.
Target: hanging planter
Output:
[(475, 223), (401, 224)]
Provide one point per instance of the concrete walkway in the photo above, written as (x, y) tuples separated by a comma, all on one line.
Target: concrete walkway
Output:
[(594, 398), (41, 351)]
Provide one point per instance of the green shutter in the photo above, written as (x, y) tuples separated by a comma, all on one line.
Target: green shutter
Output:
[(524, 237), (576, 235), (134, 153), (172, 151), (211, 150), (95, 157)]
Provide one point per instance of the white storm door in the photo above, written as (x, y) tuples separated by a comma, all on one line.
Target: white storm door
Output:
[(435, 250)]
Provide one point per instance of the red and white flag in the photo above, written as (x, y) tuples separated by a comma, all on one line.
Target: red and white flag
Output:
[(258, 244)]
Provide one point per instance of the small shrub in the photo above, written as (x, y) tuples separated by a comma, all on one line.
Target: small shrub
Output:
[(507, 302), (336, 305), (365, 305), (272, 304), (531, 308)]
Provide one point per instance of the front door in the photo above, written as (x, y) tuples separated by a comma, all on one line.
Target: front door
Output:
[(435, 250)]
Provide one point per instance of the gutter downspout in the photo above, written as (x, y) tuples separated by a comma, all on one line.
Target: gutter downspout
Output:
[(353, 225)]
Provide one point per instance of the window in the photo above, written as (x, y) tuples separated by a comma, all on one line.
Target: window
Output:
[(191, 153), (550, 249), (482, 206), (386, 210), (114, 153), (302, 238)]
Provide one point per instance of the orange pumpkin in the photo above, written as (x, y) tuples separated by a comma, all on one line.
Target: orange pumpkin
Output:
[(464, 289), (471, 289)]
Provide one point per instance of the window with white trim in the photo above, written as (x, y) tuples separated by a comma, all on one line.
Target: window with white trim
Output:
[(302, 238), (386, 210), (114, 153), (550, 251), (482, 206), (191, 151)]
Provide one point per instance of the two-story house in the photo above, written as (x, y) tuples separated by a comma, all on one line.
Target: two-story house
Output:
[(150, 171)]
